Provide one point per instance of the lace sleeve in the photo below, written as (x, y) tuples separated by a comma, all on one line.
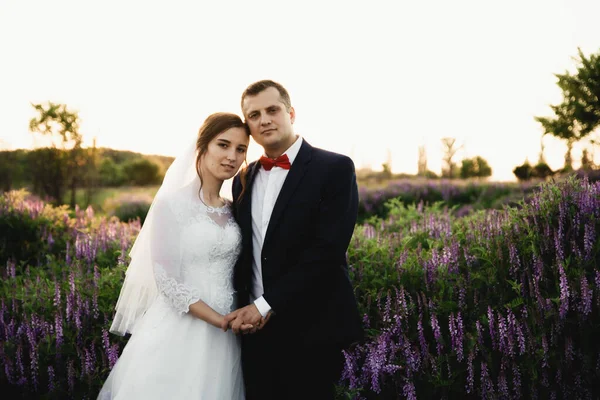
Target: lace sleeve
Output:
[(167, 260)]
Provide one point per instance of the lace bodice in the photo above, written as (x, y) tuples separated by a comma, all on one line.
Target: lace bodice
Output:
[(193, 258)]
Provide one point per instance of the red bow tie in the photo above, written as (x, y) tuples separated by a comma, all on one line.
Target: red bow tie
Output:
[(282, 162)]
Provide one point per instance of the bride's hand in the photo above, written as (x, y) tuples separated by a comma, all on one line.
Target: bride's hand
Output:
[(222, 323)]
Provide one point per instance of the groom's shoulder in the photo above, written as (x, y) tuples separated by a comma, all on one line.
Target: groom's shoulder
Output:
[(332, 158)]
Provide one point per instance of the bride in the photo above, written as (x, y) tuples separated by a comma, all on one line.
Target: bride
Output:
[(179, 284)]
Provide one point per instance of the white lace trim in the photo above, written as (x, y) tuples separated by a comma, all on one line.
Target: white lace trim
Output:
[(177, 294)]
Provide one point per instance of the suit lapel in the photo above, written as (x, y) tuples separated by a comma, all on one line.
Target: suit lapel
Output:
[(246, 206), (292, 180)]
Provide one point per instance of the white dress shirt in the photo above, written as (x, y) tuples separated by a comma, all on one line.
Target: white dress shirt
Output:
[(265, 190)]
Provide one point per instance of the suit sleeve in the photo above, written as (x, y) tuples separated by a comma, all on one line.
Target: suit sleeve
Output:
[(313, 273)]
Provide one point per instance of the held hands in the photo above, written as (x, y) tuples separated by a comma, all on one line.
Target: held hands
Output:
[(245, 320)]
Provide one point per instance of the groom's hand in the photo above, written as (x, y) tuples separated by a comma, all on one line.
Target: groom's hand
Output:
[(240, 318)]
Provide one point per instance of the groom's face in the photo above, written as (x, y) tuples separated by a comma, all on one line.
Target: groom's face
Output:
[(270, 121)]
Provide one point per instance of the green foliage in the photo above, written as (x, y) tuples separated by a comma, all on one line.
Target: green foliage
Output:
[(111, 174), (128, 210), (423, 263), (12, 169), (579, 113), (525, 171), (142, 172), (29, 237), (476, 167), (60, 299)]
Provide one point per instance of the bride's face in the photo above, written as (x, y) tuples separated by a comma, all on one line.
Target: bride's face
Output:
[(226, 153)]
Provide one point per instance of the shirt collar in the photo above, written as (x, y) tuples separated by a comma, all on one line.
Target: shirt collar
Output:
[(293, 150)]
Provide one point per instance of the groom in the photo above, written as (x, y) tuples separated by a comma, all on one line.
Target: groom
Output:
[(297, 208)]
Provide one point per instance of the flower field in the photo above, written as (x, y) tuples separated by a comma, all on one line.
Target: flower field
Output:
[(489, 303)]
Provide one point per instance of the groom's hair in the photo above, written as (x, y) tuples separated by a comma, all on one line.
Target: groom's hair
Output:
[(259, 86)]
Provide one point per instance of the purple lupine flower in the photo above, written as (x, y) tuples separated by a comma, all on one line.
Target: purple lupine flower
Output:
[(462, 293), (470, 374), (589, 237), (377, 363), (597, 280), (89, 212), (349, 372), (413, 362), (90, 360), (422, 340), (71, 376), (560, 255), (8, 370), (459, 337), (437, 334), (479, 333), (503, 386), (586, 297), (68, 254), (545, 352), (408, 389), (487, 387), (492, 325), (11, 269), (569, 352), (516, 381), (58, 328), (545, 379), (366, 321), (514, 328), (564, 292), (20, 367), (51, 377), (369, 231), (401, 260), (515, 262), (387, 309), (503, 336), (56, 295), (401, 303), (50, 240), (113, 356)]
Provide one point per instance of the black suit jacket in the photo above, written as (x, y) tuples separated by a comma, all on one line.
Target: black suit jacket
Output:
[(303, 257)]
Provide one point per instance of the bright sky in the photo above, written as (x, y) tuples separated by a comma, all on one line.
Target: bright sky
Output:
[(364, 77)]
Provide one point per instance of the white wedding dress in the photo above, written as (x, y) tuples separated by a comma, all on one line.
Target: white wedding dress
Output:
[(172, 354)]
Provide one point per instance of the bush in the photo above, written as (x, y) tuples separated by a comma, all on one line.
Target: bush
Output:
[(142, 172), (499, 304), (129, 206), (54, 313)]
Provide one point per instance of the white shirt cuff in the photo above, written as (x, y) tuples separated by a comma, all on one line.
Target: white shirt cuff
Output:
[(263, 306)]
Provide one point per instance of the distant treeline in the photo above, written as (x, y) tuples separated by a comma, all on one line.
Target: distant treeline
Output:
[(48, 171)]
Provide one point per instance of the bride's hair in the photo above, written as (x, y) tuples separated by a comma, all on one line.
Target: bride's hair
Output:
[(213, 126)]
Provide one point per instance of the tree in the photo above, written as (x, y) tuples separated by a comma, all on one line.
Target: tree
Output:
[(579, 113), (523, 172), (142, 172), (476, 167), (61, 127), (449, 169)]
